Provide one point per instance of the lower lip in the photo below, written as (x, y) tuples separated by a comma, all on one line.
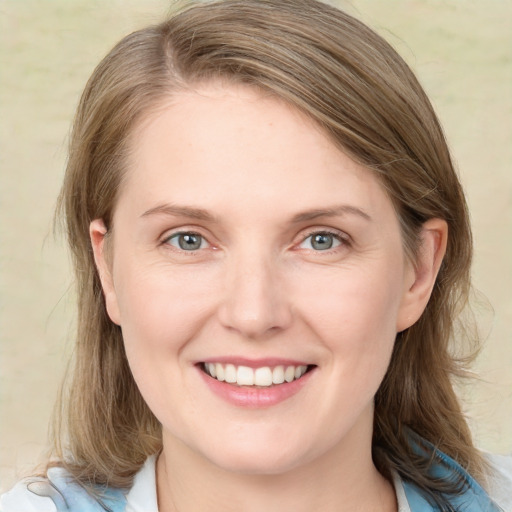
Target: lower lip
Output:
[(255, 397)]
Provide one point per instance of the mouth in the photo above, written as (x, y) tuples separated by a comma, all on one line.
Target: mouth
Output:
[(261, 377)]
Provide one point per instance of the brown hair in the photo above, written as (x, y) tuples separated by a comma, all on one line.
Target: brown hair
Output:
[(354, 85)]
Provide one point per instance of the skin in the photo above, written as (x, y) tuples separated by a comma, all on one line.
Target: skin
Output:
[(258, 288)]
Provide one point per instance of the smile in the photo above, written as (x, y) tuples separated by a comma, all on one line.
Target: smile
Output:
[(263, 376)]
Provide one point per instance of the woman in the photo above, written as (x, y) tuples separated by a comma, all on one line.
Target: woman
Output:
[(271, 248)]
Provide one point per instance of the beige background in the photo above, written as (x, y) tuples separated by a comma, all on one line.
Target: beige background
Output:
[(462, 51)]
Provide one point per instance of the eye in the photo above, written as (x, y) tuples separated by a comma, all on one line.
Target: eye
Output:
[(187, 241), (321, 241)]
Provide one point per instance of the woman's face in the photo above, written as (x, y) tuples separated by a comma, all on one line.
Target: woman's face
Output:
[(247, 247)]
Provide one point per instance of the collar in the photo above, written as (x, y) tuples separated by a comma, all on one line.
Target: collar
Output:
[(142, 497), (472, 496)]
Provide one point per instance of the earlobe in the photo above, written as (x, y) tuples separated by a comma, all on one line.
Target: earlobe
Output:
[(423, 273), (98, 235)]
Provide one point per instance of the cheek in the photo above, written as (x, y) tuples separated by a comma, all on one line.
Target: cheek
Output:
[(161, 311), (353, 314), (350, 304), (160, 308)]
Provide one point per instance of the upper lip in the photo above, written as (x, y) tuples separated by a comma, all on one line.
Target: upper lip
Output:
[(256, 363)]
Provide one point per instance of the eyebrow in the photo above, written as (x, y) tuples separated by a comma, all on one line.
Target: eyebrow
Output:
[(330, 212), (308, 215), (180, 211)]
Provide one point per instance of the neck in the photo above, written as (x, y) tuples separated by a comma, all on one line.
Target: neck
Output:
[(342, 480)]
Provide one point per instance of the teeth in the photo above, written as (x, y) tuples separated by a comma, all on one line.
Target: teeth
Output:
[(278, 375), (245, 376), (219, 370), (289, 374), (263, 377), (230, 373)]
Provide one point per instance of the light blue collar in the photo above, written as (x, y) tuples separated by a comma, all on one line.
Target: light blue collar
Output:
[(472, 496)]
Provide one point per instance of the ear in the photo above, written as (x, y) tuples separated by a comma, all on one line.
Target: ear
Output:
[(422, 273), (98, 234)]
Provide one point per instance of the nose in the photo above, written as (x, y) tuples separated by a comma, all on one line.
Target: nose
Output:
[(254, 302)]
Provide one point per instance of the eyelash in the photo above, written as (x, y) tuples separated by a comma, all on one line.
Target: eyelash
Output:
[(343, 239), (167, 239)]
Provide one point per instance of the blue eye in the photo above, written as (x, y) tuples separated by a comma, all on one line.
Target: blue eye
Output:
[(187, 241), (321, 241)]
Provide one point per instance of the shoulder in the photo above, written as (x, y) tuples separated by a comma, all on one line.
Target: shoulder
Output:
[(472, 496), (58, 492), (500, 480), (21, 499)]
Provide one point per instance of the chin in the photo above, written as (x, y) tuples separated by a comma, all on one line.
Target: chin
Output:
[(257, 460)]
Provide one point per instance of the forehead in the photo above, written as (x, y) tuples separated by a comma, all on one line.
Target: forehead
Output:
[(219, 144)]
